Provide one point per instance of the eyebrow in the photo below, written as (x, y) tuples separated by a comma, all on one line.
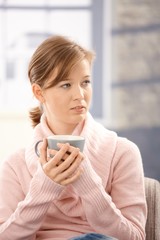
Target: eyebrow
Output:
[(69, 79)]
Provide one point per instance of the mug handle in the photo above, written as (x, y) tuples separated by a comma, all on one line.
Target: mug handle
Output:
[(36, 148)]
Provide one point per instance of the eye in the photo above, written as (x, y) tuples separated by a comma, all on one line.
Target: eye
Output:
[(86, 82), (66, 85)]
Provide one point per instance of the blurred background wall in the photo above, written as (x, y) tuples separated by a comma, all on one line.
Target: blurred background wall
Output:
[(126, 77), (136, 77)]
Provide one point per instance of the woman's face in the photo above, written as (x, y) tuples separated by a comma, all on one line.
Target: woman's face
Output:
[(67, 103)]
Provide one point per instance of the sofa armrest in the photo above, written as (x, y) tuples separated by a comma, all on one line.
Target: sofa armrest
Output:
[(152, 189)]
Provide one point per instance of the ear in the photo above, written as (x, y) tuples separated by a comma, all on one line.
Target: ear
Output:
[(38, 93)]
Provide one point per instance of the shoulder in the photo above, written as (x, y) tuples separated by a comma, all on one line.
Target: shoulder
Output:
[(14, 160), (14, 170), (127, 156), (125, 146), (122, 148)]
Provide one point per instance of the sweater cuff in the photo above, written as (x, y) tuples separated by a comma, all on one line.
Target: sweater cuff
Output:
[(88, 181), (42, 184)]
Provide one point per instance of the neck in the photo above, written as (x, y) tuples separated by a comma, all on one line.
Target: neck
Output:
[(62, 129)]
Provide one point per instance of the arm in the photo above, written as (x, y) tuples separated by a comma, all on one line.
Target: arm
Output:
[(120, 213), (21, 216)]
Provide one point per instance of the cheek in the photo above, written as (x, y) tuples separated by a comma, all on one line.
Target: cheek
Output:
[(89, 94), (58, 104)]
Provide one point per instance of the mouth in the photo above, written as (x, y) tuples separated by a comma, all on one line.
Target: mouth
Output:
[(78, 107)]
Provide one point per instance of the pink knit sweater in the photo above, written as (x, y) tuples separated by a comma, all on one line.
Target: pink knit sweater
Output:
[(108, 198)]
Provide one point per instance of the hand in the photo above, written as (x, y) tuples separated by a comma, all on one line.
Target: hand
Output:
[(64, 167)]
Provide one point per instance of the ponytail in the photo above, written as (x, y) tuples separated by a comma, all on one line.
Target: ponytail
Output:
[(35, 115)]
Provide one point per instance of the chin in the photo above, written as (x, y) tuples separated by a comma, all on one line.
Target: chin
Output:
[(77, 119)]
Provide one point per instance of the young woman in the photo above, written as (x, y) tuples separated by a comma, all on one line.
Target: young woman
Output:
[(89, 195)]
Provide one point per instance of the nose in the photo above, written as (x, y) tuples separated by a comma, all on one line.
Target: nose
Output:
[(78, 93)]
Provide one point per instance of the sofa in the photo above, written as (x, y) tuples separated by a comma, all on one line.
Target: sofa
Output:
[(152, 189)]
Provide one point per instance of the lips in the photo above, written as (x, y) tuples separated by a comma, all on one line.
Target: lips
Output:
[(78, 107)]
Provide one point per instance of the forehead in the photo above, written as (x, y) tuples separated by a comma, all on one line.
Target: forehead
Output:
[(81, 69)]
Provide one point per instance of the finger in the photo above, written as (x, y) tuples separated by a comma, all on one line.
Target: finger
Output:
[(60, 162), (61, 154), (53, 152), (43, 152), (69, 160), (70, 170), (73, 178), (70, 149)]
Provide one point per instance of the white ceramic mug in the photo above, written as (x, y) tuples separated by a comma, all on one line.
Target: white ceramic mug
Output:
[(75, 141)]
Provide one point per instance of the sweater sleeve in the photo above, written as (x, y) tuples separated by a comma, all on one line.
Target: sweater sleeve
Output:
[(120, 213), (21, 216)]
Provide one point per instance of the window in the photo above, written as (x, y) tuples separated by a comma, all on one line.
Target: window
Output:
[(83, 20), (86, 21)]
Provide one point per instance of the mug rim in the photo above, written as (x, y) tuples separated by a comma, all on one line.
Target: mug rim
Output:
[(66, 137)]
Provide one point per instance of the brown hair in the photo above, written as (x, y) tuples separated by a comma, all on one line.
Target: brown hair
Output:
[(55, 53)]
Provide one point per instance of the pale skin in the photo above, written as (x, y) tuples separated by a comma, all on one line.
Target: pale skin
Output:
[(65, 105)]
